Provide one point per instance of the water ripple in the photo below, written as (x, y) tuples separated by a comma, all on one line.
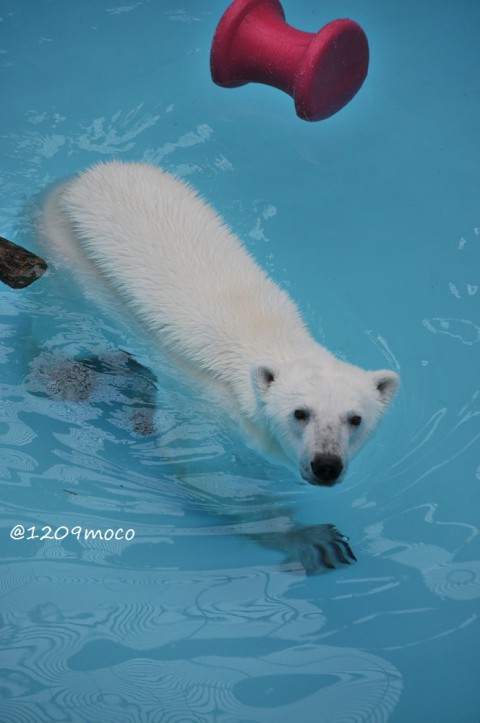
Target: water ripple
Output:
[(441, 573), (184, 654), (18, 433), (462, 329), (13, 459)]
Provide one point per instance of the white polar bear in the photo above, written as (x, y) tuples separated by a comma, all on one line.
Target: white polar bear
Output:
[(197, 290)]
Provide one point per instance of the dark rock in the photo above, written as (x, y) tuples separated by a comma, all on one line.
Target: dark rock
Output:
[(18, 267)]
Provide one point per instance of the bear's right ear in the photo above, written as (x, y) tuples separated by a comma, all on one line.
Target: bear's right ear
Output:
[(386, 383), (262, 376)]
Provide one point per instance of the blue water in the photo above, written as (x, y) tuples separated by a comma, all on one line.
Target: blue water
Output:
[(371, 220)]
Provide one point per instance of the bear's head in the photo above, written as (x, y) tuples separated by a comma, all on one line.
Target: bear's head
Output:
[(321, 411)]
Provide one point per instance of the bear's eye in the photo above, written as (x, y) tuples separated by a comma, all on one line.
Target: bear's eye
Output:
[(301, 414), (355, 420)]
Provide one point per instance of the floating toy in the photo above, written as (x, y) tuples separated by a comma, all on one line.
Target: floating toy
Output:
[(19, 267), (321, 71)]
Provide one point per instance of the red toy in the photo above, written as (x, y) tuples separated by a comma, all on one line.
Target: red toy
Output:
[(321, 71)]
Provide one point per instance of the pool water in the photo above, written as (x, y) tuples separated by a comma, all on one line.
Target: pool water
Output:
[(371, 221)]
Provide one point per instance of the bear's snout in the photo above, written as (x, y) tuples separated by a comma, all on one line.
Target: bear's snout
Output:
[(326, 468)]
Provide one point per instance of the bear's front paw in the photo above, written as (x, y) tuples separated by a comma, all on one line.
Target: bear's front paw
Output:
[(316, 547)]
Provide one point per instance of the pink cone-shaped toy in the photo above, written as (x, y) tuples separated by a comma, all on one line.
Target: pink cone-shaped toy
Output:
[(321, 71)]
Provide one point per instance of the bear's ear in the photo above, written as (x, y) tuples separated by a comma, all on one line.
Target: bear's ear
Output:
[(386, 383), (262, 376)]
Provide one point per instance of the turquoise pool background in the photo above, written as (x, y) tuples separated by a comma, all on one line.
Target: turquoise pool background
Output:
[(371, 220)]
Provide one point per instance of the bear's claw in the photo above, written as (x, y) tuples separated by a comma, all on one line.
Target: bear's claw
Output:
[(316, 547)]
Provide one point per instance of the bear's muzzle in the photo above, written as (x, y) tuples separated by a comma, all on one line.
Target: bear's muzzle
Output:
[(327, 469)]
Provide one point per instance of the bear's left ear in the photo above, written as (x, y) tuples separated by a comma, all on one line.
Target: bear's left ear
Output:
[(386, 383), (262, 376)]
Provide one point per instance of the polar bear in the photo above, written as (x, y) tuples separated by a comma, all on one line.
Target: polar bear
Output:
[(196, 290)]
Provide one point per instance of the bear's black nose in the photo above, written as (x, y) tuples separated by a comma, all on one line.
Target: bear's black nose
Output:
[(327, 468)]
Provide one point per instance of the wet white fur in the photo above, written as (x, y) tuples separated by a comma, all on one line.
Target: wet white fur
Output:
[(195, 288)]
